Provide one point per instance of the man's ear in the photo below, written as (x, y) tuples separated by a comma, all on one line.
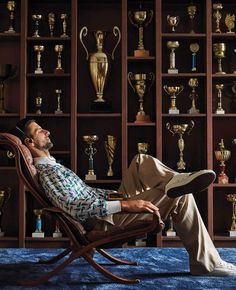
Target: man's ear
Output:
[(28, 141)]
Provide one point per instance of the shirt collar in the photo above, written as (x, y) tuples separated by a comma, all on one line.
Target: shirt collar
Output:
[(45, 160)]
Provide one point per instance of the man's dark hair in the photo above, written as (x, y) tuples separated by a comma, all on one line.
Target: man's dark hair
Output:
[(21, 129)]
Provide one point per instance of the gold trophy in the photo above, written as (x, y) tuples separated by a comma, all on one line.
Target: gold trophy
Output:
[(64, 25), (58, 110), (38, 233), (38, 49), (110, 146), (230, 22), (7, 71), (180, 129), (232, 198), (173, 92), (59, 48), (173, 22), (193, 84), (51, 22), (4, 196), (99, 66), (90, 151), (142, 147), (172, 45), (38, 103), (222, 155), (219, 52), (217, 15), (191, 10), (140, 19), (171, 232), (194, 48), (140, 89), (219, 109), (11, 5), (57, 233), (36, 18)]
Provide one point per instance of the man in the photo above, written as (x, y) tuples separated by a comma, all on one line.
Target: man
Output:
[(151, 187)]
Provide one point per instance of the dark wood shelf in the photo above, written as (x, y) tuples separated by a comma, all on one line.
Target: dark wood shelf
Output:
[(48, 39), (183, 35), (6, 115), (51, 115), (200, 115), (9, 36), (48, 75), (227, 75), (180, 75), (3, 168), (223, 35), (132, 124), (224, 185), (96, 115), (148, 58), (226, 115), (47, 239)]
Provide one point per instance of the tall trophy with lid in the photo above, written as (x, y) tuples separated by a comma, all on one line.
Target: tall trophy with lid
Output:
[(99, 65)]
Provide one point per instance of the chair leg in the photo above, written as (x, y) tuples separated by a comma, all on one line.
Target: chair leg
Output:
[(107, 273), (56, 258), (116, 260)]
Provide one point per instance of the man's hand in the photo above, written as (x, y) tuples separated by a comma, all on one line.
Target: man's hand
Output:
[(138, 206)]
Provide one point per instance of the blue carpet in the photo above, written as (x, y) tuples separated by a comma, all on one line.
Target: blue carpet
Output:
[(159, 268)]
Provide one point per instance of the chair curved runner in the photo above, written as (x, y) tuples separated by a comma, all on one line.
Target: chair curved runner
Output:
[(83, 243)]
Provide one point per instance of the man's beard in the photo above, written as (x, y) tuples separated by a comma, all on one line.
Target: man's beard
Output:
[(47, 146)]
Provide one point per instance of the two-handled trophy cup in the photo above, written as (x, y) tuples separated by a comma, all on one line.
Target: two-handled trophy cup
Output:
[(194, 48), (58, 93), (193, 84), (38, 233), (217, 15), (59, 48), (7, 71), (38, 49), (142, 147), (219, 50), (172, 45), (191, 10), (230, 22), (173, 22), (173, 92), (219, 88), (4, 196), (64, 17), (36, 18), (140, 88), (90, 151), (110, 146), (51, 22), (140, 19), (222, 155), (232, 198), (180, 129), (99, 65), (11, 5)]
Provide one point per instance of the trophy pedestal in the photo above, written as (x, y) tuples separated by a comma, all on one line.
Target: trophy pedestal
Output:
[(232, 233), (142, 119), (141, 53), (58, 71), (193, 111), (220, 111), (173, 71), (141, 242), (90, 177), (223, 178), (2, 234), (170, 233), (58, 112), (38, 71), (100, 107), (38, 235), (173, 111), (57, 235)]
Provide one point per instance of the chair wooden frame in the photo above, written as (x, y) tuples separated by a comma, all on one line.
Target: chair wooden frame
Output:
[(80, 243)]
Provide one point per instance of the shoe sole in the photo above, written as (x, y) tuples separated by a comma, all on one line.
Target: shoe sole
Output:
[(197, 184)]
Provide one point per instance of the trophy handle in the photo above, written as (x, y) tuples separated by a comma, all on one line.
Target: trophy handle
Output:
[(83, 33), (116, 32), (181, 89), (130, 13), (168, 127), (150, 18), (191, 125), (130, 78), (165, 89), (151, 77)]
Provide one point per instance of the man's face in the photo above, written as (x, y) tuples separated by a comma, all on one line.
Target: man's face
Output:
[(40, 137)]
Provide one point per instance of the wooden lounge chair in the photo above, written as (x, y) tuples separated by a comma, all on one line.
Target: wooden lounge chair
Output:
[(83, 243)]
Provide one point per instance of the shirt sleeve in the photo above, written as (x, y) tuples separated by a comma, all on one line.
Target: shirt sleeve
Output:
[(113, 206)]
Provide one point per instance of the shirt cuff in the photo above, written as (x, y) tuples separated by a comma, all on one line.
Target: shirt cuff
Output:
[(113, 206)]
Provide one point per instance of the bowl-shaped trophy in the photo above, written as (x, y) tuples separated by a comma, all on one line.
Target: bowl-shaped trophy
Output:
[(173, 92), (222, 155), (219, 50)]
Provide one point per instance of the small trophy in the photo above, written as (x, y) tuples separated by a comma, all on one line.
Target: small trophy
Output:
[(219, 109), (38, 233), (172, 45), (194, 48), (4, 196), (217, 15), (222, 155), (173, 92), (90, 151), (36, 18), (38, 103), (142, 147), (173, 22), (58, 48), (110, 146), (140, 89), (64, 25), (11, 5), (57, 233), (230, 22), (51, 22), (171, 232), (219, 52), (140, 19), (232, 198), (193, 83), (180, 129), (191, 10), (58, 110), (38, 49)]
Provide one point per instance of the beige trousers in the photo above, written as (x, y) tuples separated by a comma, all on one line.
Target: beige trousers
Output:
[(146, 179)]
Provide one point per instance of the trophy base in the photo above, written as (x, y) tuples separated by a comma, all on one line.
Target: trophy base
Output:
[(10, 31), (58, 112), (38, 235), (90, 177), (170, 233), (223, 179), (220, 73), (173, 71), (193, 111), (232, 233), (142, 119), (58, 71), (140, 243), (141, 53), (38, 71), (57, 235), (173, 111), (194, 69), (220, 111), (2, 234), (100, 107)]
